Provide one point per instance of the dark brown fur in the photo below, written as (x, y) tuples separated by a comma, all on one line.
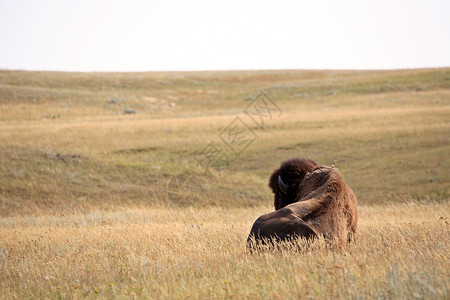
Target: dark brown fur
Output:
[(292, 172), (321, 204)]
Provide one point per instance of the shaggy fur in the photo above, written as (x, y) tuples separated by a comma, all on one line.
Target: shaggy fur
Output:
[(323, 204), (292, 173)]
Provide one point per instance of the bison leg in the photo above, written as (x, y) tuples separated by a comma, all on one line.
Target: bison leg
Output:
[(278, 226)]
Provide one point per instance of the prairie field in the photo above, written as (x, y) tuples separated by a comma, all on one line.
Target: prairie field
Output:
[(145, 185)]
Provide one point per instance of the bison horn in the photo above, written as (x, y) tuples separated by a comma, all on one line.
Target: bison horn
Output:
[(283, 186)]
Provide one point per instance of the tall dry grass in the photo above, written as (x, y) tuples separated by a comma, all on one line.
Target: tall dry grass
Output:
[(401, 252), (87, 202)]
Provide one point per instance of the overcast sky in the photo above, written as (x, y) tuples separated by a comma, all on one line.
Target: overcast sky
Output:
[(223, 35)]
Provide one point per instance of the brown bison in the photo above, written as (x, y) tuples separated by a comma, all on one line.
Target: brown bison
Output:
[(310, 200)]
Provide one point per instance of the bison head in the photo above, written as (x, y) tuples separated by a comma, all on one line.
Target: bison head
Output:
[(285, 180)]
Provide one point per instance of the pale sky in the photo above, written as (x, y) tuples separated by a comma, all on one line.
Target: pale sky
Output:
[(223, 35)]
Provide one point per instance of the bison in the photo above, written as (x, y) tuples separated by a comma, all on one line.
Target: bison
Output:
[(310, 200)]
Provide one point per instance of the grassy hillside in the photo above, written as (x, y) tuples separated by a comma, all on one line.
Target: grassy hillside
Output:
[(66, 142), (116, 185)]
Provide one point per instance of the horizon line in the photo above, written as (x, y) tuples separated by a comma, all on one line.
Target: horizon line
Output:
[(223, 70)]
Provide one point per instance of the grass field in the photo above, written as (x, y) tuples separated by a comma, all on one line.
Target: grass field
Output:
[(118, 185), (401, 252)]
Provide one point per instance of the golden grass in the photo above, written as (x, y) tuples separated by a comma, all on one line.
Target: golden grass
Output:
[(88, 206), (401, 252)]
